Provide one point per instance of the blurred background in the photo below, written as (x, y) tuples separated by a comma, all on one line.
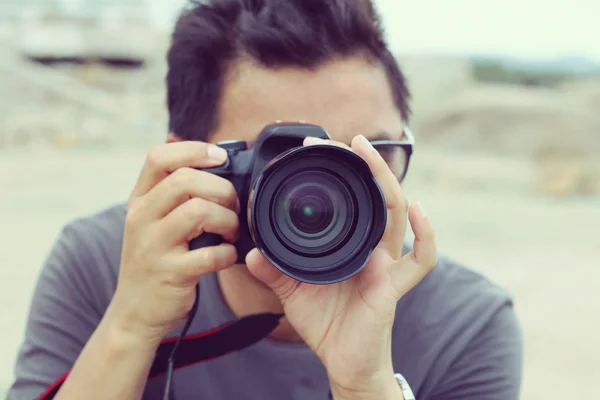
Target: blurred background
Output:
[(507, 162)]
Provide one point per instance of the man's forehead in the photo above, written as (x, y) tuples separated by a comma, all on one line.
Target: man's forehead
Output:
[(346, 98)]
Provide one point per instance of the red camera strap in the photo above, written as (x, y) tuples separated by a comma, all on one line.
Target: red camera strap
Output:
[(200, 347)]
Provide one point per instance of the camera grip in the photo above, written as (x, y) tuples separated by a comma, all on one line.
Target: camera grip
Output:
[(205, 240), (211, 239)]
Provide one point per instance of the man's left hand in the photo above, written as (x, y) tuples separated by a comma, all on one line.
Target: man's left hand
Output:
[(349, 324)]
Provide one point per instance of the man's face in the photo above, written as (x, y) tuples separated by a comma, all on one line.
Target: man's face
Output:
[(346, 97)]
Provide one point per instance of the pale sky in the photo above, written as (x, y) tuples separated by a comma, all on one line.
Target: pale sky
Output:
[(529, 28), (532, 28)]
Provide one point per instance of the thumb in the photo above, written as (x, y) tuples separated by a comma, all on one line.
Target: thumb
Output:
[(282, 285)]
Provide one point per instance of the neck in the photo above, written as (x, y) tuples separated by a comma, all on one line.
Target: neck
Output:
[(245, 295)]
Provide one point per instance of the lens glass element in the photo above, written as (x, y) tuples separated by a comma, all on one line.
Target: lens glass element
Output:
[(313, 212)]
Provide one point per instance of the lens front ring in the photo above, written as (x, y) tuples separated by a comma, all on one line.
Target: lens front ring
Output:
[(368, 222)]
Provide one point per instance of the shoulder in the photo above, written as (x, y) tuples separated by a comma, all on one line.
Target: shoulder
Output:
[(87, 253), (101, 224), (79, 276), (452, 317), (101, 230), (75, 286)]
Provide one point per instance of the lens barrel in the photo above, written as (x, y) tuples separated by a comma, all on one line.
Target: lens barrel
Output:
[(316, 213)]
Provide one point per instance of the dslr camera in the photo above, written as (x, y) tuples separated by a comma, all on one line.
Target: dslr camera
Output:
[(315, 212)]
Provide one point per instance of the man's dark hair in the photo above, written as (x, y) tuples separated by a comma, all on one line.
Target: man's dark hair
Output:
[(211, 34)]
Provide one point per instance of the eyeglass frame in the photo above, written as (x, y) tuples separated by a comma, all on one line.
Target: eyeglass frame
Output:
[(406, 145)]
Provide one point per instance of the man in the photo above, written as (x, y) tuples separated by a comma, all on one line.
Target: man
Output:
[(118, 282)]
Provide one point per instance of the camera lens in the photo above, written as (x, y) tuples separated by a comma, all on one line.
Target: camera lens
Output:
[(316, 213), (303, 214), (310, 210)]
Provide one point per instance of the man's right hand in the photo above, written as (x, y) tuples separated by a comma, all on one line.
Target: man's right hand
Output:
[(171, 204)]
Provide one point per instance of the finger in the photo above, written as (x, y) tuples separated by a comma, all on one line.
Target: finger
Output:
[(413, 267), (166, 158), (311, 141), (196, 216), (395, 199), (282, 285), (196, 263), (187, 183), (424, 247)]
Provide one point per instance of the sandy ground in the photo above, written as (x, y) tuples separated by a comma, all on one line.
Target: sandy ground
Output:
[(544, 251)]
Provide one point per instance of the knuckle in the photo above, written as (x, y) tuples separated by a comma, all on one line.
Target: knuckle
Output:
[(220, 256), (222, 190), (196, 210), (171, 277), (130, 221), (154, 156), (133, 214), (230, 194), (180, 179), (235, 223), (211, 259), (207, 261), (403, 203), (400, 202), (203, 149), (432, 263)]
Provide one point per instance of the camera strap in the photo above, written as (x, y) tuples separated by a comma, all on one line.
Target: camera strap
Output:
[(204, 346)]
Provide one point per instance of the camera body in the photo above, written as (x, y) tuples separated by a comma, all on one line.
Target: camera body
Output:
[(316, 212)]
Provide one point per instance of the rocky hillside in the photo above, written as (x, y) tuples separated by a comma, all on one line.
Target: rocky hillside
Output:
[(556, 128), (93, 104)]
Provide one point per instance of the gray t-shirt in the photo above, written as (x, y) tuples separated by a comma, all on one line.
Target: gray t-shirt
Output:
[(455, 334)]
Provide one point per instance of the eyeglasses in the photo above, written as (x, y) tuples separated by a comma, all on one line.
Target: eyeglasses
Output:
[(397, 153)]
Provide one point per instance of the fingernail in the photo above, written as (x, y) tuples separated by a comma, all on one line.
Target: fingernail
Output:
[(238, 206), (421, 210), (217, 153), (315, 140)]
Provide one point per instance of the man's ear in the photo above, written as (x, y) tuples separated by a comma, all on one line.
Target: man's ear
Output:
[(172, 138)]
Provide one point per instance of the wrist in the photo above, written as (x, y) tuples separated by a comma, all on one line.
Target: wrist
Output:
[(383, 387), (122, 332)]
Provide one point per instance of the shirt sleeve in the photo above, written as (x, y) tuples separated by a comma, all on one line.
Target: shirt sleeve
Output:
[(62, 317), (490, 368)]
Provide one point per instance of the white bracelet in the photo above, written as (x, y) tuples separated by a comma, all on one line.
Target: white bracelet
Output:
[(405, 387)]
